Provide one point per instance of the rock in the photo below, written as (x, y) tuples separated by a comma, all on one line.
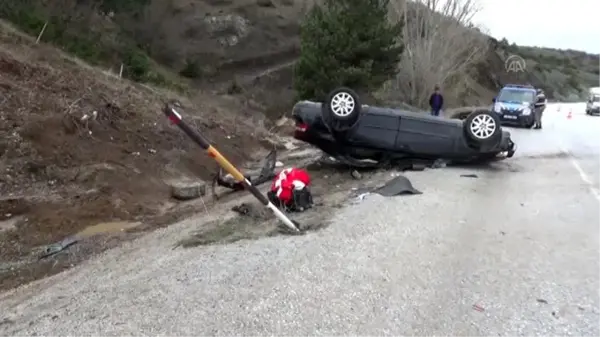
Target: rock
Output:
[(91, 172), (356, 175), (228, 29), (418, 167), (187, 189), (10, 224), (281, 121)]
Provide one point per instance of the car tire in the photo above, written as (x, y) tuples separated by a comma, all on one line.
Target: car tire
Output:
[(530, 125), (341, 110), (483, 129)]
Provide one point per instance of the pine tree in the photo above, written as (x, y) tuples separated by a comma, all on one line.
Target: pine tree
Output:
[(347, 43)]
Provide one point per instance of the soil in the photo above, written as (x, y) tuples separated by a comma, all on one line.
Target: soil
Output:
[(80, 147), (330, 187)]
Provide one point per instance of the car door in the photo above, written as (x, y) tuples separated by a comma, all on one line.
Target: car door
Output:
[(427, 135), (377, 129)]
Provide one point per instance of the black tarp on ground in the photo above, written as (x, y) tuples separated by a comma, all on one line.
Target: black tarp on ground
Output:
[(400, 185)]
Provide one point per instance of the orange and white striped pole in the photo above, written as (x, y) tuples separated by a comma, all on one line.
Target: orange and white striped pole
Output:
[(176, 118)]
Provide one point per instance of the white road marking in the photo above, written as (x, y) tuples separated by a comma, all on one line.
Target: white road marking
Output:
[(584, 177)]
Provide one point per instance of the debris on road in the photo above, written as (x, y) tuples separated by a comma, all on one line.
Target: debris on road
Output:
[(187, 189), (356, 175), (251, 210), (541, 300), (58, 247), (469, 175), (400, 185), (290, 190), (361, 197), (6, 321), (439, 163), (256, 177), (478, 308), (418, 166), (242, 209)]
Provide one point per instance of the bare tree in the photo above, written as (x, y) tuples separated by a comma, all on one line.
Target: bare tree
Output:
[(441, 45)]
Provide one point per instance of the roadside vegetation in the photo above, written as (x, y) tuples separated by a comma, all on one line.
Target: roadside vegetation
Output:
[(565, 74), (175, 43)]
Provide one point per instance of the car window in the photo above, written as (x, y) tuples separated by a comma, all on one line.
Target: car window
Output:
[(516, 96), (596, 98)]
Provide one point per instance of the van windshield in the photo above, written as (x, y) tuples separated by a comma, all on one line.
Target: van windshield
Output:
[(516, 96), (596, 98)]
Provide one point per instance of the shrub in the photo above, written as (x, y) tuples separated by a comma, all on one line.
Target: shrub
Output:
[(191, 69), (137, 64)]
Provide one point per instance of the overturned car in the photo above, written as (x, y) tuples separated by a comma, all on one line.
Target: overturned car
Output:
[(351, 132)]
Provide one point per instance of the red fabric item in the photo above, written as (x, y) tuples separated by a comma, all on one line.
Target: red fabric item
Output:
[(287, 180)]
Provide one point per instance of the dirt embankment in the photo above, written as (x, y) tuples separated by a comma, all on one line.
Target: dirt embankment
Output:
[(79, 147)]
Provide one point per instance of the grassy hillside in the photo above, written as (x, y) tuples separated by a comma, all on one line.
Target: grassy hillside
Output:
[(564, 74)]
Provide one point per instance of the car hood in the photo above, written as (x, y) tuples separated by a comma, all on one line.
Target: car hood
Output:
[(511, 106)]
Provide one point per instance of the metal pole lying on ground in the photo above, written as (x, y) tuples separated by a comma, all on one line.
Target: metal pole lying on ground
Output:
[(176, 118)]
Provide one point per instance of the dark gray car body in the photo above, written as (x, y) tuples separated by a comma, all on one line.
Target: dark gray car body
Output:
[(394, 133)]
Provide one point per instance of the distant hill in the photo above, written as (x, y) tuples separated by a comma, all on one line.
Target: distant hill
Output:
[(248, 45)]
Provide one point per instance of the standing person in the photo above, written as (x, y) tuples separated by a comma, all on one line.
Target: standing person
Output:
[(436, 101), (539, 107)]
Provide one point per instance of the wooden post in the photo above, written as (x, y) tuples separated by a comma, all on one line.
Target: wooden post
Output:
[(41, 33)]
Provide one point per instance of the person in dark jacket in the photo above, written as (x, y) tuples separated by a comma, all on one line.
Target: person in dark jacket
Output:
[(436, 101), (539, 107)]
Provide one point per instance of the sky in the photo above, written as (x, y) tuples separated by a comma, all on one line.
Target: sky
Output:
[(561, 24)]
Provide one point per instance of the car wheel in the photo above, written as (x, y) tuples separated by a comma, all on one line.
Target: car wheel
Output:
[(483, 128), (530, 124), (341, 109)]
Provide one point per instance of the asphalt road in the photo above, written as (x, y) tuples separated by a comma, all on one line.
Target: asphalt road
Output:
[(512, 252)]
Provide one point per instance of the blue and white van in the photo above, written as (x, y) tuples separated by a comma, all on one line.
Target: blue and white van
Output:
[(514, 105)]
